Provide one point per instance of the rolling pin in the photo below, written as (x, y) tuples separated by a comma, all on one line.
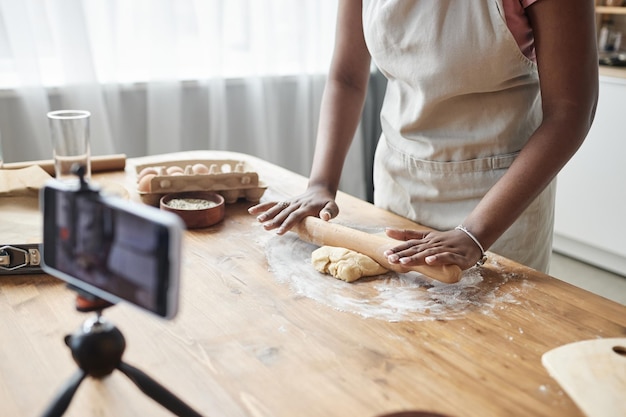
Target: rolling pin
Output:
[(99, 163), (322, 233)]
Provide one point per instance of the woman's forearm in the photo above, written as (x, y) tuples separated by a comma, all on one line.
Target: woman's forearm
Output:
[(339, 118)]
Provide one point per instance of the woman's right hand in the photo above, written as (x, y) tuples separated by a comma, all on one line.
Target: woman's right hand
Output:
[(284, 215)]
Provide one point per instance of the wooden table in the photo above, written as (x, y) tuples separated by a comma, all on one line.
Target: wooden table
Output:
[(246, 343)]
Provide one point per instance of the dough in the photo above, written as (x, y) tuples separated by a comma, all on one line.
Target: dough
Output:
[(345, 264)]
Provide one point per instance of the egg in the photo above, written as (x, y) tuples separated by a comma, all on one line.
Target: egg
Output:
[(146, 171), (174, 170), (200, 169), (144, 183)]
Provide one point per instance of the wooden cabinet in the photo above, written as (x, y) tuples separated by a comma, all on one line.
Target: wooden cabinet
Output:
[(610, 9), (611, 27)]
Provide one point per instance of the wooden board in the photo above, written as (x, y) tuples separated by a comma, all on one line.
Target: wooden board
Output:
[(20, 184), (593, 373), (99, 163), (21, 220), (21, 225)]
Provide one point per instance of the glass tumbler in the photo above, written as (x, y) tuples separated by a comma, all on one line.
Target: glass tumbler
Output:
[(69, 130)]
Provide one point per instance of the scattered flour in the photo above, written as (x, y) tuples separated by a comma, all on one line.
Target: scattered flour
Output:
[(390, 297)]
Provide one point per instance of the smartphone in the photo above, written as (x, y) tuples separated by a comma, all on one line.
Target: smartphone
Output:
[(112, 248)]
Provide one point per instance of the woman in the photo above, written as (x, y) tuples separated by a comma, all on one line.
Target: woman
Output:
[(486, 101)]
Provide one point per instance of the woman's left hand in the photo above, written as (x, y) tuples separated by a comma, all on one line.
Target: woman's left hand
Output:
[(433, 248)]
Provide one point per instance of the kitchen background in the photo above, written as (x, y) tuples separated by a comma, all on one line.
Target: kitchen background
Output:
[(591, 196), (247, 76)]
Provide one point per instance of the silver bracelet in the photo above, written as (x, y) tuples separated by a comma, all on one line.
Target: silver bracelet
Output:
[(483, 255)]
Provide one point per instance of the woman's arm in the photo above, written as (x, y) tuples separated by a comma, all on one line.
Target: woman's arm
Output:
[(565, 42), (341, 108), (567, 60)]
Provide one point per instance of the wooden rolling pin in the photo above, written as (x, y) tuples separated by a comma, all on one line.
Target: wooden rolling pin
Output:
[(99, 163), (322, 233)]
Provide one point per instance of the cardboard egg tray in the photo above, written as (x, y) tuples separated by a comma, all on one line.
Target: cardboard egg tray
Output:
[(230, 178)]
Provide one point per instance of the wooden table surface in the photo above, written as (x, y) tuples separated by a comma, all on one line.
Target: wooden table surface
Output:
[(248, 343)]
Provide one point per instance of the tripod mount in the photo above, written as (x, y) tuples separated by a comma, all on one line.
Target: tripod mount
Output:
[(97, 348)]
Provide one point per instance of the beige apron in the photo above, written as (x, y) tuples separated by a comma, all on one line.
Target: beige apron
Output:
[(461, 102)]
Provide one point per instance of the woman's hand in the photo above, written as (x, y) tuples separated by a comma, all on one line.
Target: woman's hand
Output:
[(433, 248), (284, 215)]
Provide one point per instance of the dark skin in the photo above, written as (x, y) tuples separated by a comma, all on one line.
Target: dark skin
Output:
[(565, 43)]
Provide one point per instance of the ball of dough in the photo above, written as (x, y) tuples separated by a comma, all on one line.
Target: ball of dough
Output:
[(344, 264)]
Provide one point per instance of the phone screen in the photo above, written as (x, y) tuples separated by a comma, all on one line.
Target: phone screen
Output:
[(112, 248)]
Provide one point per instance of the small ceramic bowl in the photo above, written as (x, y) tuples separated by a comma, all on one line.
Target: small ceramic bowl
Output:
[(197, 209)]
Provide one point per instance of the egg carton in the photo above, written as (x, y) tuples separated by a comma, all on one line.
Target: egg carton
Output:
[(232, 179)]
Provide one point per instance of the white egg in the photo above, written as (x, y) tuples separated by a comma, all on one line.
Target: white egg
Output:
[(144, 183), (146, 171), (200, 169), (174, 169)]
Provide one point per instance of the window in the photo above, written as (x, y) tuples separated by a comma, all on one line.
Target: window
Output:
[(129, 41)]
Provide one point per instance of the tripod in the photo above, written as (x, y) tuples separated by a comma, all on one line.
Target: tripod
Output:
[(97, 348)]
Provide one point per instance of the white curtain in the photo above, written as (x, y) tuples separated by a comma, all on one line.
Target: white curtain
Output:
[(170, 75)]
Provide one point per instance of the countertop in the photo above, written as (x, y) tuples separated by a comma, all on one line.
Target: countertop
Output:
[(260, 334)]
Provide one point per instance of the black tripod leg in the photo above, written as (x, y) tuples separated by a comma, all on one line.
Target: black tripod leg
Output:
[(64, 397), (157, 392)]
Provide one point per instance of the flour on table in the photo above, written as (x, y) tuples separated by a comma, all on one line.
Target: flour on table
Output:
[(391, 296)]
